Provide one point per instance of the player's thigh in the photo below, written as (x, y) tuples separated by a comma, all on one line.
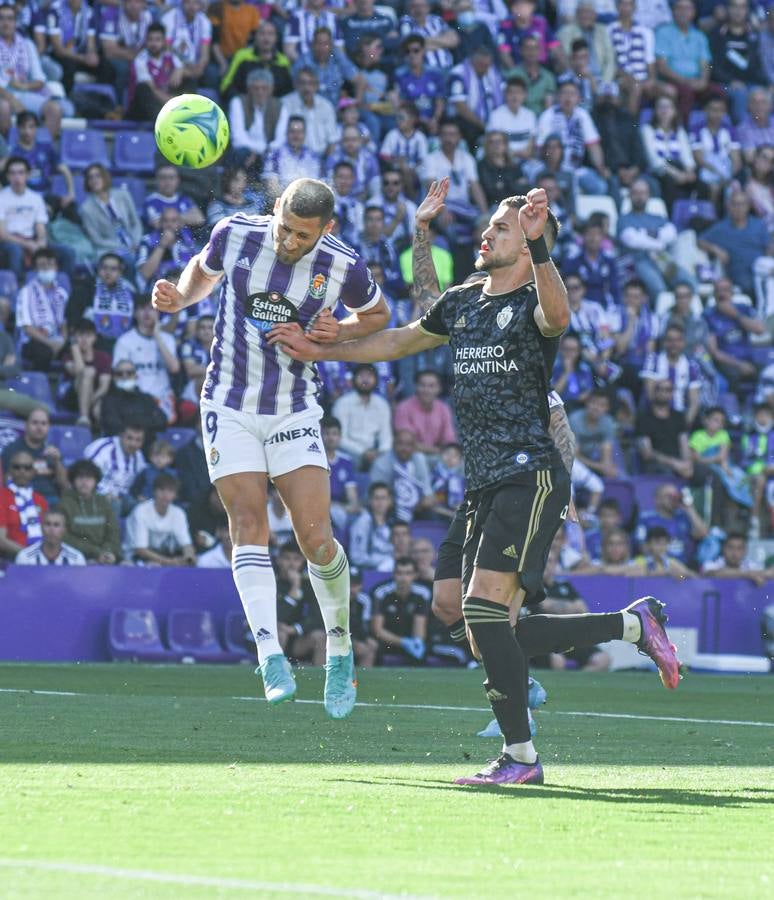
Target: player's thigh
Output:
[(232, 442), (244, 496), (306, 492)]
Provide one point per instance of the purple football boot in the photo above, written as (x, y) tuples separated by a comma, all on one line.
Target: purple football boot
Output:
[(654, 641), (505, 770)]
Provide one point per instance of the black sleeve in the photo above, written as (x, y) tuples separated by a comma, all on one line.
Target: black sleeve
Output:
[(434, 320)]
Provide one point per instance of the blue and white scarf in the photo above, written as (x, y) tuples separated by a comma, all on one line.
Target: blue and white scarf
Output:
[(29, 513)]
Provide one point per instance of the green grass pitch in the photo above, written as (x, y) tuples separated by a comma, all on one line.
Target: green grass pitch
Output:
[(173, 782)]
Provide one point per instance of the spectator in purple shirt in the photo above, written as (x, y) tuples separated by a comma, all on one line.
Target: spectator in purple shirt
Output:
[(594, 266), (676, 514), (421, 84), (731, 324), (633, 327), (572, 377), (344, 498), (166, 249), (167, 195)]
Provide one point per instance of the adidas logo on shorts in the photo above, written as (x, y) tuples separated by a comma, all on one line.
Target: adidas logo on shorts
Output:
[(313, 448), (510, 551)]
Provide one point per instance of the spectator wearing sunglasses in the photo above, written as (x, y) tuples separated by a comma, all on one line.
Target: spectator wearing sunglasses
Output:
[(21, 507)]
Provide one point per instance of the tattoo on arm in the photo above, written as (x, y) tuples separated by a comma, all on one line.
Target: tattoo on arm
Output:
[(562, 435), (426, 289)]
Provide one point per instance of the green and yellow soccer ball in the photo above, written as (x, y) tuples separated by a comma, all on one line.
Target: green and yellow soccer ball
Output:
[(192, 130)]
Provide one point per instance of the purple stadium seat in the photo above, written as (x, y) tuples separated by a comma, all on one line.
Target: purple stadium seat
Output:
[(134, 634), (621, 490), (134, 151), (234, 635), (645, 487), (135, 187), (80, 149), (685, 210), (8, 285), (33, 384), (178, 437), (59, 188), (71, 440), (191, 632)]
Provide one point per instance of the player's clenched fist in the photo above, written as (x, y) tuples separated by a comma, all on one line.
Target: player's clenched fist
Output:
[(325, 328), (534, 214), (290, 338), (166, 297)]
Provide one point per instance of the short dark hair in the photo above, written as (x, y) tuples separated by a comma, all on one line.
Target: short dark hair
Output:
[(636, 283), (405, 561), (579, 44), (290, 546), (133, 426), (711, 410), (516, 81), (360, 366), (378, 486), (411, 39), (674, 326), (164, 481), (84, 468), (309, 198), (110, 255), (158, 28), (330, 422), (610, 503), (373, 207), (656, 531), (599, 392), (43, 253), (84, 326), (733, 536), (26, 116), (16, 161), (55, 511), (343, 164), (422, 372), (552, 225)]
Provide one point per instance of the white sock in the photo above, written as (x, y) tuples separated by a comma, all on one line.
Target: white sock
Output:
[(632, 627), (523, 753), (257, 586), (331, 587)]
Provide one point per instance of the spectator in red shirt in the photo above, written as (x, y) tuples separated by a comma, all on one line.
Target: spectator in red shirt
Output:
[(425, 416), (21, 507), (155, 76)]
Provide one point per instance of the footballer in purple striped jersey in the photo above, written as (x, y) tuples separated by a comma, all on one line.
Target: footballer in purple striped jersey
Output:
[(260, 415)]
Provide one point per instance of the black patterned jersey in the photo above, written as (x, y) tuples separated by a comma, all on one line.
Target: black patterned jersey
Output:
[(502, 365)]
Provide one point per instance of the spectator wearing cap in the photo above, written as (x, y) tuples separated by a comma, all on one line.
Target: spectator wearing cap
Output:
[(49, 474), (329, 63), (672, 364), (440, 39), (291, 159), (635, 58), (51, 550), (515, 120), (576, 129), (601, 60), (475, 92), (540, 81), (157, 530), (88, 371), (668, 151), (253, 118), (40, 313), (167, 194), (120, 459), (263, 53), (109, 216), (420, 83), (366, 421), (662, 437), (737, 241), (21, 506), (317, 112), (92, 524)]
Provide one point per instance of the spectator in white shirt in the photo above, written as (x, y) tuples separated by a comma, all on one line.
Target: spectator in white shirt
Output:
[(157, 531), (316, 111), (253, 119), (52, 550), (515, 120), (23, 217), (189, 36), (120, 459), (366, 421)]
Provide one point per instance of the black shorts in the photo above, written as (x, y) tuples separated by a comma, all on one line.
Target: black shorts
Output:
[(510, 526)]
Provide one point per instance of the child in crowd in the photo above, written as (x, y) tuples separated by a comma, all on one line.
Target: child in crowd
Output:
[(448, 480), (162, 459)]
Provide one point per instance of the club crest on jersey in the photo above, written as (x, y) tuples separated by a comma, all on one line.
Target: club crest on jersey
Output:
[(504, 317), (318, 285)]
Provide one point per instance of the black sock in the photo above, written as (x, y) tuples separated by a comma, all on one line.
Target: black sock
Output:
[(540, 634), (505, 665), (458, 634)]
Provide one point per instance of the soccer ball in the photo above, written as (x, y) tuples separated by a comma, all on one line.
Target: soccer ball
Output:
[(192, 131)]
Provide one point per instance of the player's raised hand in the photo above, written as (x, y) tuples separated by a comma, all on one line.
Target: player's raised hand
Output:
[(291, 339), (166, 297), (325, 329), (433, 203), (534, 214)]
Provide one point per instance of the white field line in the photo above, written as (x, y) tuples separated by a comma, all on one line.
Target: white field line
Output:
[(232, 884), (475, 709)]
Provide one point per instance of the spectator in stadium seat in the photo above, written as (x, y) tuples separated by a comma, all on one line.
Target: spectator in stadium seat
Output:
[(157, 531), (364, 20), (92, 524), (235, 197), (498, 174), (634, 329), (735, 563), (757, 459), (524, 23), (348, 209), (89, 375), (191, 468), (662, 439), (760, 186), (423, 553), (344, 498), (683, 56), (11, 400), (615, 555), (108, 301), (120, 459), (51, 550), (329, 62), (291, 159), (21, 506), (318, 113), (189, 37), (551, 164), (253, 120), (736, 241), (757, 128), (426, 416), (594, 265), (608, 519), (195, 357), (155, 76), (540, 81), (716, 150), (420, 83), (122, 31), (404, 469), (620, 135), (594, 431), (218, 556), (366, 428), (301, 631), (475, 92), (302, 26), (655, 557), (167, 195), (125, 402), (40, 314), (109, 216), (22, 79), (50, 476), (573, 377), (400, 611), (165, 249), (673, 365), (374, 247), (161, 459), (736, 63), (399, 211), (668, 151), (44, 162), (440, 39), (264, 53), (153, 354), (694, 326), (767, 48), (634, 49), (74, 40), (369, 535), (205, 517), (233, 22), (364, 163), (576, 130), (516, 120), (585, 27)]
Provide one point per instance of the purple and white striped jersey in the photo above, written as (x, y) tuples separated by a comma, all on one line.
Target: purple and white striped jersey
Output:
[(258, 292)]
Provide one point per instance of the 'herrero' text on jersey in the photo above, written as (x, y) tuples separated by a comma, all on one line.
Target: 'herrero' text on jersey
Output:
[(502, 365), (258, 292)]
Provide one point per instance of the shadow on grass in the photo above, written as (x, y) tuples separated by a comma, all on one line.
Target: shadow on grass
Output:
[(630, 796)]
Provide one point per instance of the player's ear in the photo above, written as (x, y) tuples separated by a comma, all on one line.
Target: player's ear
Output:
[(328, 228)]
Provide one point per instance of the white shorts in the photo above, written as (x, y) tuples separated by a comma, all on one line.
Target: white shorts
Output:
[(236, 441)]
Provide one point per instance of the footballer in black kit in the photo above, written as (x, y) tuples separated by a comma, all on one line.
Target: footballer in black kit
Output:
[(518, 487)]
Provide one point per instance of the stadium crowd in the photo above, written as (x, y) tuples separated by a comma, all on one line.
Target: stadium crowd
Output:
[(650, 127)]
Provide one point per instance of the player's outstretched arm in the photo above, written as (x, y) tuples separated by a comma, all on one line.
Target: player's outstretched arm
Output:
[(425, 289), (194, 285), (552, 315), (394, 343)]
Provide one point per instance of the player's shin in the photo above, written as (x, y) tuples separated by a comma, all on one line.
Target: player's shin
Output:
[(539, 635), (505, 665), (331, 587), (255, 581)]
